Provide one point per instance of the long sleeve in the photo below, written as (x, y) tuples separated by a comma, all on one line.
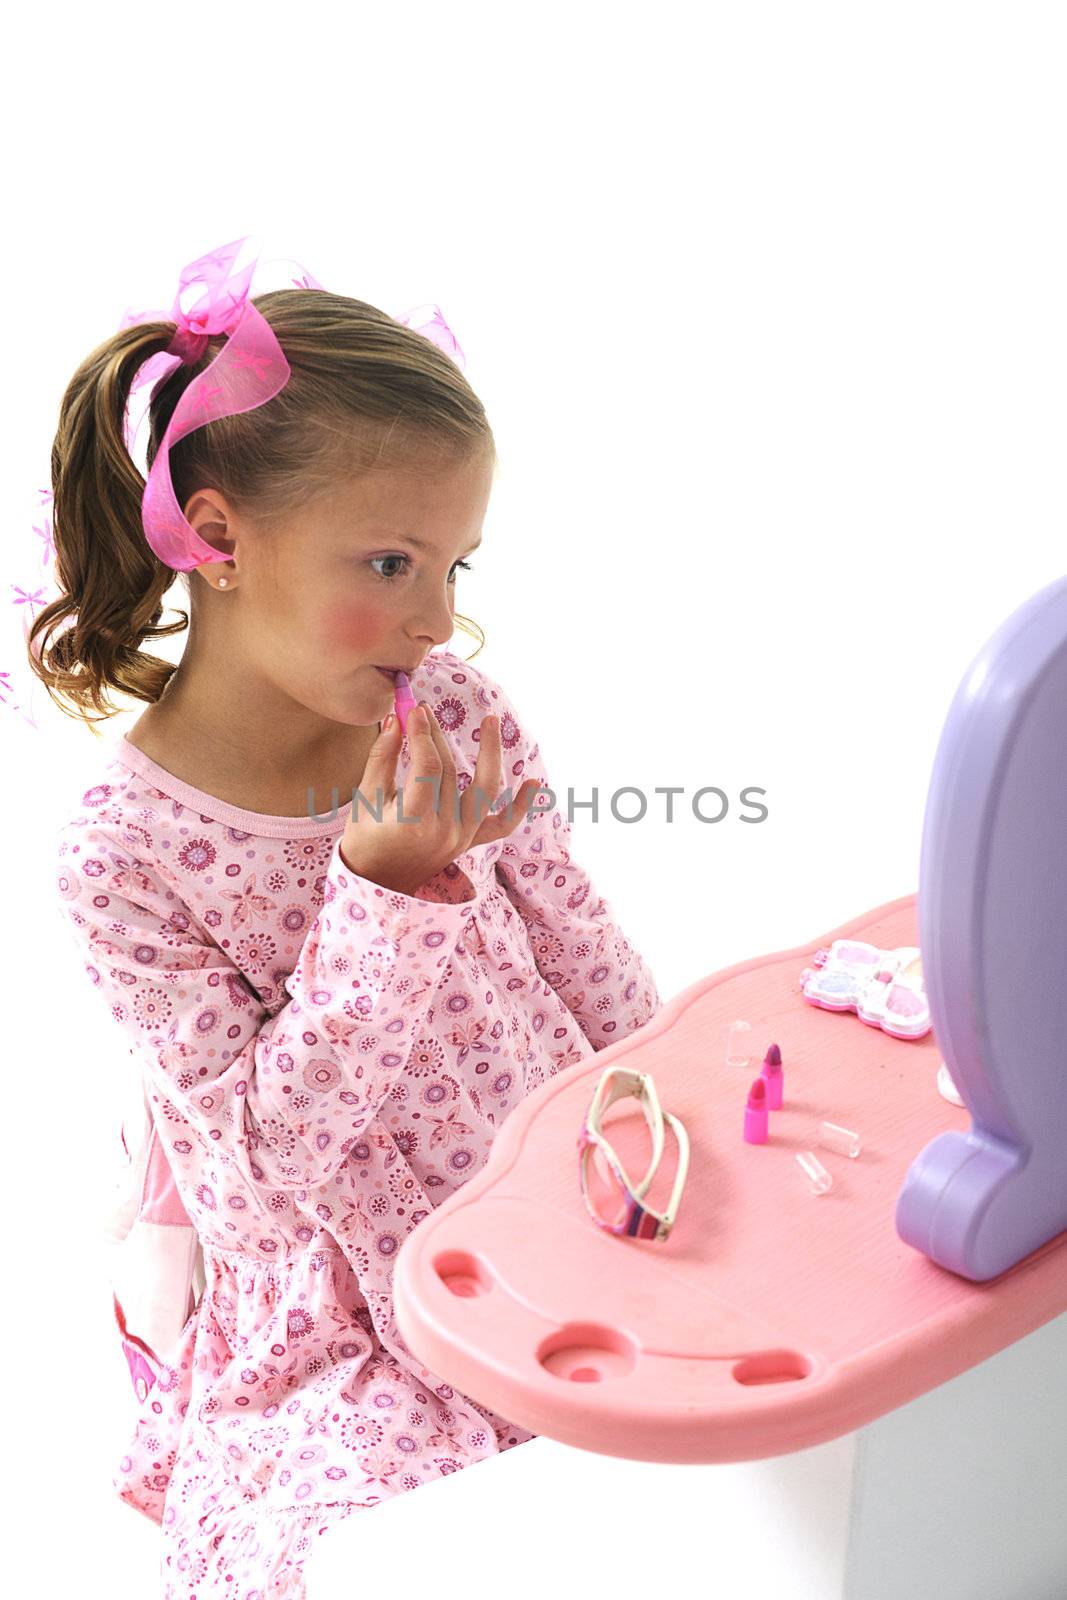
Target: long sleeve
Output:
[(282, 1095), (577, 944)]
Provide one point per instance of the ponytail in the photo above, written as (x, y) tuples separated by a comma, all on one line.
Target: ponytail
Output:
[(111, 580)]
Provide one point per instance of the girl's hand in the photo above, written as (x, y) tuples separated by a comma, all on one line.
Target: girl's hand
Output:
[(403, 855)]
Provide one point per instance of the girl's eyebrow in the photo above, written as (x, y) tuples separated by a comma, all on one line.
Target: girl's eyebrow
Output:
[(420, 544)]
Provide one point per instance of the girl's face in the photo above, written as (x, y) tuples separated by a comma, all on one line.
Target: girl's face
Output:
[(365, 578)]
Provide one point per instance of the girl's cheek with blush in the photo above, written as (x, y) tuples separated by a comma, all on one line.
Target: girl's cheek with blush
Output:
[(354, 627)]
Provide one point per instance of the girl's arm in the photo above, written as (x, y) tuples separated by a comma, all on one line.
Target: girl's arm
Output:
[(283, 1096), (577, 944)]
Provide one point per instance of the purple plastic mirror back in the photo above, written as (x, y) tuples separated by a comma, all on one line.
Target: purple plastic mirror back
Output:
[(992, 912)]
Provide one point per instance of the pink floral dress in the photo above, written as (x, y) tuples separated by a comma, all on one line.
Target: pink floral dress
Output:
[(325, 1061)]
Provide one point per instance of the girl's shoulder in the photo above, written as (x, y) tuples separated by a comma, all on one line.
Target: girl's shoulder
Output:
[(123, 828), (444, 672), (106, 802), (462, 693), (104, 855)]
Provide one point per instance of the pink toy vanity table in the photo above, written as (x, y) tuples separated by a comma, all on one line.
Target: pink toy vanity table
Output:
[(890, 1355)]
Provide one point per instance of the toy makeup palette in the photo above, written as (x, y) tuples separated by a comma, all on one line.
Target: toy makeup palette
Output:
[(883, 987)]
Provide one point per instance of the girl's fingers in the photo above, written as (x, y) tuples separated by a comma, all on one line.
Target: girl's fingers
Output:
[(380, 770), (440, 742), (487, 773), (432, 752), (487, 778), (498, 824)]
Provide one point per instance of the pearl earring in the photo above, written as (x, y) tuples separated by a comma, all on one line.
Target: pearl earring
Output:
[(223, 582)]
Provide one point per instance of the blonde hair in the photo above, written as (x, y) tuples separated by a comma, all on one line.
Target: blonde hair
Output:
[(364, 392)]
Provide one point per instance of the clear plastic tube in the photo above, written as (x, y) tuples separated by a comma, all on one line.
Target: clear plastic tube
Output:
[(816, 1174), (737, 1050), (843, 1140)]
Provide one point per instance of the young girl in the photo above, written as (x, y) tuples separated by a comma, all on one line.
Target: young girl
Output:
[(333, 1014)]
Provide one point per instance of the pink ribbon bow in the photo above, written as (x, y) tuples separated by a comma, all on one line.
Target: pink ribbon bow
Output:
[(249, 370)]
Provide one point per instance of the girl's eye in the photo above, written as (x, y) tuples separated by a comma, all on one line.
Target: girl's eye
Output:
[(388, 577)]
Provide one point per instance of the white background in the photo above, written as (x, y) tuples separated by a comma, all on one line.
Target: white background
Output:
[(766, 306)]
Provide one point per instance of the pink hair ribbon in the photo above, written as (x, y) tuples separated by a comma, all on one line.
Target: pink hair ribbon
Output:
[(249, 370)]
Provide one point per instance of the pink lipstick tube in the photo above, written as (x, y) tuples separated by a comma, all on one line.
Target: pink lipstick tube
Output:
[(756, 1113), (404, 701), (772, 1074)]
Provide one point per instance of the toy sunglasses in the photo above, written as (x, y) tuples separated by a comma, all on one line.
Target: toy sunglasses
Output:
[(613, 1202)]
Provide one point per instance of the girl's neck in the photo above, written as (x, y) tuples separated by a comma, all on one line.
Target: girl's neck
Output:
[(210, 763)]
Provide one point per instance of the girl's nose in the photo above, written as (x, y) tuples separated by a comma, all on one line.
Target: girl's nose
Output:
[(435, 623)]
